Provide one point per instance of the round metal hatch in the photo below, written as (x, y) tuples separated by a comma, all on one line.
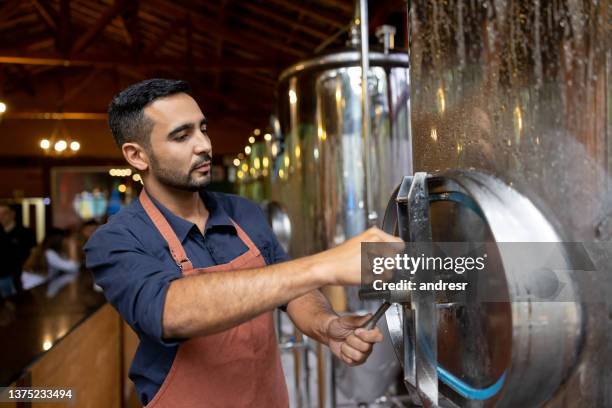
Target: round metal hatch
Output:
[(515, 345)]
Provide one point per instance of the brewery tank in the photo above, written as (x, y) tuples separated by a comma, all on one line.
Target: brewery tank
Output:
[(319, 173), (511, 126)]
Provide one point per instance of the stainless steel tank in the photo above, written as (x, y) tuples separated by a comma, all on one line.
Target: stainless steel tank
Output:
[(520, 329), (319, 172), (512, 121)]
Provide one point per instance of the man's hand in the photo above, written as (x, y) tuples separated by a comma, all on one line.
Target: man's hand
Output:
[(349, 342), (341, 265)]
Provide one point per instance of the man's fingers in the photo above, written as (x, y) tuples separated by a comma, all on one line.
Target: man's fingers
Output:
[(369, 336), (352, 353), (358, 344), (346, 359)]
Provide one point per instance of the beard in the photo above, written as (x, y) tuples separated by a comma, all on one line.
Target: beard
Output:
[(173, 177)]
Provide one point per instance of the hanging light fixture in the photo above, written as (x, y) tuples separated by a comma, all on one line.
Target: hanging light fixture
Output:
[(60, 142)]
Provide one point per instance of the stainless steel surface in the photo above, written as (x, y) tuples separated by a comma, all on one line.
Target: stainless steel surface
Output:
[(521, 90), (386, 36), (344, 58), (319, 173), (534, 345), (320, 169), (279, 222), (365, 111), (413, 211)]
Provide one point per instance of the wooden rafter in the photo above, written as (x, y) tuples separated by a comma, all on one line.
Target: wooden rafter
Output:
[(56, 115), (282, 19), (164, 35), (105, 62), (46, 13), (63, 41), (80, 87), (232, 51), (221, 16), (328, 18), (278, 33), (236, 36), (131, 24), (342, 5), (107, 16), (8, 9)]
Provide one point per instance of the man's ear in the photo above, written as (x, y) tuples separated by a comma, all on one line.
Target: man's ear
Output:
[(135, 155)]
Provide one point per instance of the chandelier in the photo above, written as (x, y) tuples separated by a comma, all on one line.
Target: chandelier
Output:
[(60, 142)]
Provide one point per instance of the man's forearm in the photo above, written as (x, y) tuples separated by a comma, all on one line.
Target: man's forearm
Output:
[(215, 301), (311, 314)]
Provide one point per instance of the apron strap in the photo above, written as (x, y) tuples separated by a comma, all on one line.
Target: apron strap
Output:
[(176, 249), (245, 238)]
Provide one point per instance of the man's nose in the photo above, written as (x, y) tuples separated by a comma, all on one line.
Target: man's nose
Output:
[(202, 144)]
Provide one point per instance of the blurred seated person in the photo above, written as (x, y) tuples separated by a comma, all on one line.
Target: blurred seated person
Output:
[(19, 241), (57, 255)]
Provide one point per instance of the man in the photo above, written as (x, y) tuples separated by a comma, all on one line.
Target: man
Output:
[(20, 241), (196, 274)]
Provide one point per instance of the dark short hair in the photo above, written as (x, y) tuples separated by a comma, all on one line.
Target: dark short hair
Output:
[(126, 117)]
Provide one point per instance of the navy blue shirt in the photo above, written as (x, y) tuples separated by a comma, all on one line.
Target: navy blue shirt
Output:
[(130, 260)]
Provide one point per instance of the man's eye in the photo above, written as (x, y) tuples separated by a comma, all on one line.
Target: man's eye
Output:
[(204, 130), (180, 137)]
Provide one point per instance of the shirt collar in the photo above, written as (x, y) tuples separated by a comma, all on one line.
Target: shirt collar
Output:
[(217, 217)]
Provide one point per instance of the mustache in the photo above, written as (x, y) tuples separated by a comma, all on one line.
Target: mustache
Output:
[(205, 158)]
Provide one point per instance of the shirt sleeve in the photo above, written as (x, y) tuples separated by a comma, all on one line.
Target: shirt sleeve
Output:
[(134, 281)]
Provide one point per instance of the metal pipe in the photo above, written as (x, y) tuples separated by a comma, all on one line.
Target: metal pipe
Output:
[(372, 216)]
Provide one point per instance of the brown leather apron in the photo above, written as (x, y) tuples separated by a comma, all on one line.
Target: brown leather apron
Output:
[(238, 367)]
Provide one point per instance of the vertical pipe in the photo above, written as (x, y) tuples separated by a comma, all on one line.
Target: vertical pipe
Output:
[(365, 112), (408, 28), (409, 82)]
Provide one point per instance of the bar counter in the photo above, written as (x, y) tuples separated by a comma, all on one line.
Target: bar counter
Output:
[(65, 335)]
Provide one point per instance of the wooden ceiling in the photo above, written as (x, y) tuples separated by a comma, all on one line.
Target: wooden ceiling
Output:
[(68, 57)]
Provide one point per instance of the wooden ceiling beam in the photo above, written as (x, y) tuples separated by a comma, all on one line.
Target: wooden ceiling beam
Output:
[(189, 41), (269, 28), (8, 9), (107, 16), (235, 98), (281, 19), (63, 40), (221, 17), (199, 64), (31, 115), (79, 87), (47, 13), (131, 24), (165, 35), (325, 17), (239, 37), (347, 6)]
